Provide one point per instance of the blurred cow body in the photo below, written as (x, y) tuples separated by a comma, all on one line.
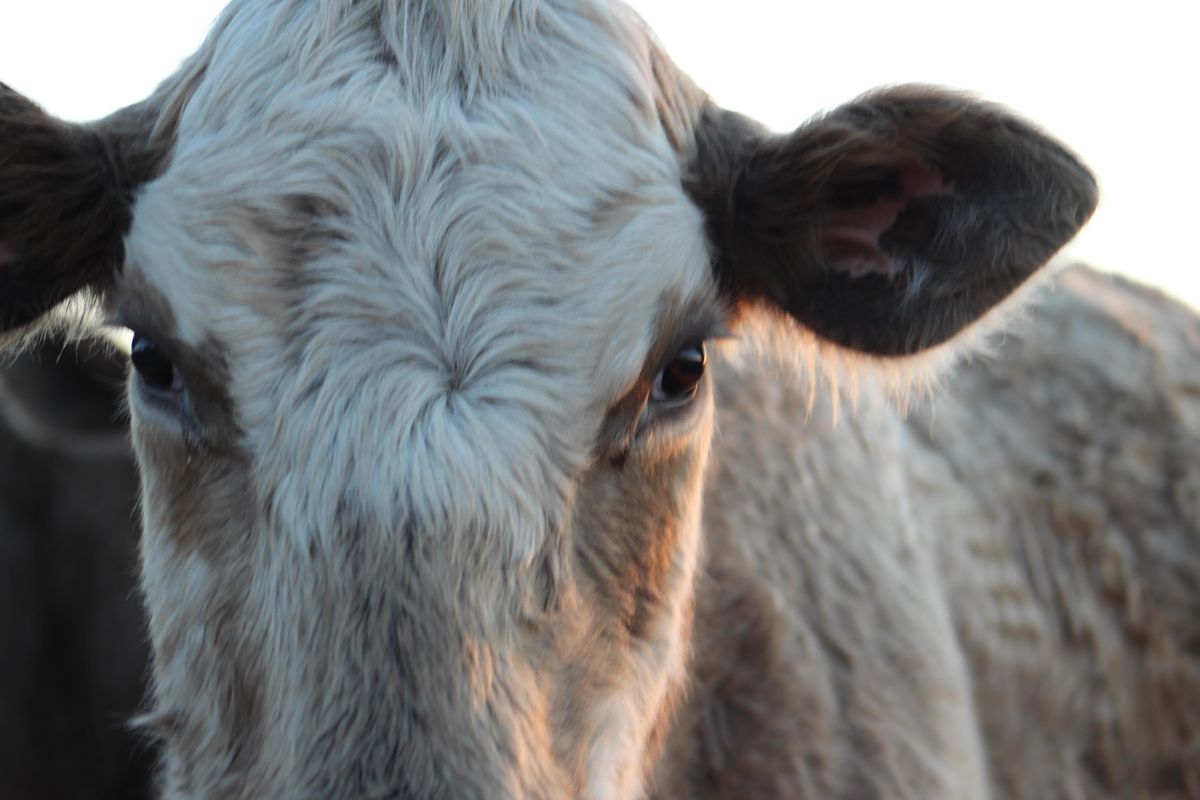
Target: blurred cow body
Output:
[(1053, 496)]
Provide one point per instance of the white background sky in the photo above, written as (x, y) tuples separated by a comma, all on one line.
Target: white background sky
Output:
[(1116, 81)]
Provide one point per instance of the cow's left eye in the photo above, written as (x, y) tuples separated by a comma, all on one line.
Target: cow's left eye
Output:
[(678, 380), (154, 368)]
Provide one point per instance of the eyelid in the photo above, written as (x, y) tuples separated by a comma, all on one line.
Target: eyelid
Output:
[(121, 317), (721, 336), (114, 320), (714, 331), (129, 310)]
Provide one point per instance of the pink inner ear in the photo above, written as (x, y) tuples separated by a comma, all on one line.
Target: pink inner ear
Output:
[(7, 255), (850, 236)]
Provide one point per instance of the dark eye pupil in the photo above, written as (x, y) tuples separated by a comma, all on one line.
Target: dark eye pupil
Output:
[(155, 369), (681, 376)]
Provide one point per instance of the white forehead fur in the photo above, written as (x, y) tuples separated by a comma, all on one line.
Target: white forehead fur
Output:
[(449, 242)]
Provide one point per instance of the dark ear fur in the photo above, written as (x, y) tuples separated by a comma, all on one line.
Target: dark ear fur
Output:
[(65, 196), (892, 223)]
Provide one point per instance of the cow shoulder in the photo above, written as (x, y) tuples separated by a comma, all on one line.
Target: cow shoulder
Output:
[(1062, 478)]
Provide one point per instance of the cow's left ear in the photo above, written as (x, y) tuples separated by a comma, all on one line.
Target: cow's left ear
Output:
[(892, 223)]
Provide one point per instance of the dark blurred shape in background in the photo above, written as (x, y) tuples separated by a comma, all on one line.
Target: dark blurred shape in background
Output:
[(73, 655)]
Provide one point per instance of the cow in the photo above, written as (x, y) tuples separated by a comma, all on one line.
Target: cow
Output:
[(454, 483)]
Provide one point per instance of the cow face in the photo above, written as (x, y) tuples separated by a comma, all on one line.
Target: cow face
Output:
[(422, 297)]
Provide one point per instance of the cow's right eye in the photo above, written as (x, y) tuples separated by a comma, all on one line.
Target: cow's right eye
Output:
[(155, 369)]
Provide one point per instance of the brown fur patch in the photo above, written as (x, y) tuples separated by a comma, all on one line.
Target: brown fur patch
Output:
[(627, 540), (193, 445)]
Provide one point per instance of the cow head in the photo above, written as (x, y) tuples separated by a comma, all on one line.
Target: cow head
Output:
[(421, 294)]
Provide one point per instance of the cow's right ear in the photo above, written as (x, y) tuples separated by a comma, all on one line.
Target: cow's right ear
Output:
[(66, 192)]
